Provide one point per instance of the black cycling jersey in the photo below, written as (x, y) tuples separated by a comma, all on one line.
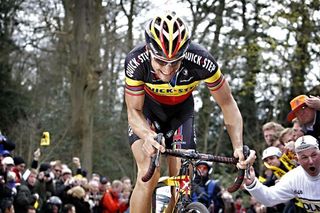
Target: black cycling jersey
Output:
[(169, 105), (197, 65)]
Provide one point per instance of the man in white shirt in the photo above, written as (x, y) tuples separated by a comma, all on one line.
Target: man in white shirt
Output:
[(302, 182)]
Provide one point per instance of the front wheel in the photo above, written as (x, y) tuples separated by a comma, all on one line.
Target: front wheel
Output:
[(196, 207)]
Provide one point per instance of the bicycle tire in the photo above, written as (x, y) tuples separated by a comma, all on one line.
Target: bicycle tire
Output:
[(196, 207)]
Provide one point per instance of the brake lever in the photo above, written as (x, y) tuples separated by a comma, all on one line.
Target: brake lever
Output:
[(157, 157), (246, 153)]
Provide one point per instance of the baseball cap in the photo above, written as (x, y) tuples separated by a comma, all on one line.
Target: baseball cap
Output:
[(271, 151), (306, 142), (7, 161), (296, 104)]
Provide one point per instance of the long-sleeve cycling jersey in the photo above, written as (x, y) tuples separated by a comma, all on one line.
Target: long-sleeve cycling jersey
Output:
[(197, 65), (297, 183)]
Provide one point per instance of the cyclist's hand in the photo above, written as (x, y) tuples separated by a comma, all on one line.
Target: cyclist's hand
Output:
[(242, 164), (150, 145)]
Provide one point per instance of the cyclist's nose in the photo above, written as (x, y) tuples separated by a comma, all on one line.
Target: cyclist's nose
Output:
[(168, 69)]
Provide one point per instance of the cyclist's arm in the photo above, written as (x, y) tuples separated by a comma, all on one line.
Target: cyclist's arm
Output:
[(139, 124), (136, 118), (232, 117)]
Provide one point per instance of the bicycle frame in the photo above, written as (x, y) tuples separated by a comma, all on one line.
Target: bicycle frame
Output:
[(183, 183), (187, 160)]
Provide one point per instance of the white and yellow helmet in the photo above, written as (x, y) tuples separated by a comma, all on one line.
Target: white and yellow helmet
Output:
[(167, 36)]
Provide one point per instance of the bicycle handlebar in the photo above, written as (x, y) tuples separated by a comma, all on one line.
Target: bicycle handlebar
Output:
[(193, 155)]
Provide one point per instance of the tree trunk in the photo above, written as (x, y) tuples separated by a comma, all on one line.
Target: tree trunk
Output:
[(85, 74)]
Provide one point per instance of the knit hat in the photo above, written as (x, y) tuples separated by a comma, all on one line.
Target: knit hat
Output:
[(18, 160), (44, 167)]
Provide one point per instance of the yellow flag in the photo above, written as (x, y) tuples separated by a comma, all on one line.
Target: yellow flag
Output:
[(45, 140), (36, 204)]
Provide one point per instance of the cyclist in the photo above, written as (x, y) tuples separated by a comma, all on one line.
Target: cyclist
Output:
[(160, 77), (205, 190), (301, 182)]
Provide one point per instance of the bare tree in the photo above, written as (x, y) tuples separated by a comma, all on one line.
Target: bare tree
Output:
[(85, 73)]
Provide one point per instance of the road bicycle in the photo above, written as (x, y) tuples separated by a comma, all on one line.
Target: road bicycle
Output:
[(183, 181)]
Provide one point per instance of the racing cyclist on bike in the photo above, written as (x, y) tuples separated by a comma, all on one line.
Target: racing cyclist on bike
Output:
[(160, 77)]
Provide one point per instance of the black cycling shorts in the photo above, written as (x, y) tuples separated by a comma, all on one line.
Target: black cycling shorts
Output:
[(175, 122)]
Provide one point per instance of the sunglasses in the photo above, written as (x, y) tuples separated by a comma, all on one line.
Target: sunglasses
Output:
[(163, 62)]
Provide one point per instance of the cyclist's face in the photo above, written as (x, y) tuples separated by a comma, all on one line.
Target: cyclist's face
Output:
[(310, 161), (165, 70)]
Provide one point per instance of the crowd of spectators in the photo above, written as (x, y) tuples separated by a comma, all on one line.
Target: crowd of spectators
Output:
[(52, 187)]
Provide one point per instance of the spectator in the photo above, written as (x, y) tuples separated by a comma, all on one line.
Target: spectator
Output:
[(279, 164), (6, 206), (19, 167), (45, 187), (104, 184), (64, 183), (53, 205), (255, 206), (94, 195), (57, 170), (111, 201), (26, 193), (207, 191), (297, 129), (31, 209), (69, 208), (126, 182), (8, 188), (6, 144), (76, 196), (301, 182), (228, 201), (271, 132), (307, 111), (238, 204), (286, 135)]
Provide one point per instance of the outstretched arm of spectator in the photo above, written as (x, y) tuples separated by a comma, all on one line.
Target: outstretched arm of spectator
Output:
[(77, 163), (269, 196), (35, 161)]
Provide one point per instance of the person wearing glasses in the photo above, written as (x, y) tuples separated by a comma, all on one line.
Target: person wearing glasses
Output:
[(161, 75)]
